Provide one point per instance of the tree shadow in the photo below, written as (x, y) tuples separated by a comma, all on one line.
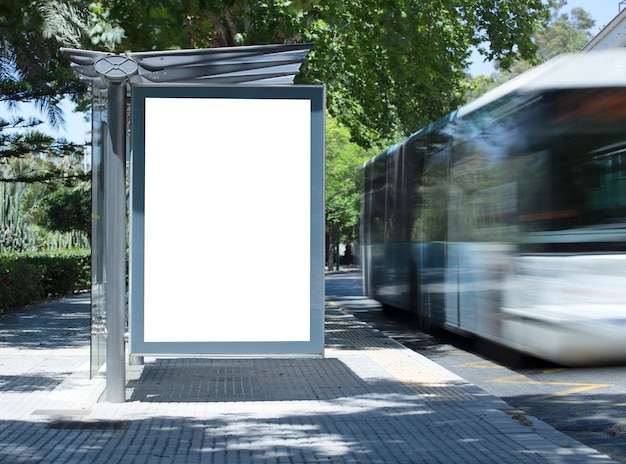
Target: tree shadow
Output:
[(381, 425), (596, 420), (28, 383), (55, 324)]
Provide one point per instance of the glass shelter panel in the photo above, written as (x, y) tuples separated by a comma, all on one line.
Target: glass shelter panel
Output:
[(98, 305)]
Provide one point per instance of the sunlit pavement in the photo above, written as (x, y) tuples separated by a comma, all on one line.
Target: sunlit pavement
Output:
[(368, 400)]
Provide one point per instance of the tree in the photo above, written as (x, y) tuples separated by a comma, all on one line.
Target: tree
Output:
[(398, 65), (17, 207), (390, 66), (31, 65), (343, 186), (33, 70), (17, 141), (565, 33), (67, 209), (561, 33), (30, 167)]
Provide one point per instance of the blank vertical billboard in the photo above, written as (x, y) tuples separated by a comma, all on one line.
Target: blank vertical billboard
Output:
[(227, 220)]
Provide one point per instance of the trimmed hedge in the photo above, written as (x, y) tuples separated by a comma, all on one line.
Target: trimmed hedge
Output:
[(29, 278)]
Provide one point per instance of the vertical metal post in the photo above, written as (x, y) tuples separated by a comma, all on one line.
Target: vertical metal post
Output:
[(115, 239)]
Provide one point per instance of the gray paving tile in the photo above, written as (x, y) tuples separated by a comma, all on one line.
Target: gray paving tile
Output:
[(369, 400)]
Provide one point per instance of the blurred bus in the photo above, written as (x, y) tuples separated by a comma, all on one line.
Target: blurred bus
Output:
[(507, 218)]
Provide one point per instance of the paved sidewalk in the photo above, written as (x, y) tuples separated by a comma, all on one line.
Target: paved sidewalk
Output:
[(369, 400)]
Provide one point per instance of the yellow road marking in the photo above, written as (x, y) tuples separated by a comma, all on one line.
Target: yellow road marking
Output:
[(458, 353), (482, 365), (572, 391), (577, 387), (521, 378), (515, 378)]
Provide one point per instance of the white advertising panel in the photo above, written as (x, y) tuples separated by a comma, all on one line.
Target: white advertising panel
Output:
[(227, 221)]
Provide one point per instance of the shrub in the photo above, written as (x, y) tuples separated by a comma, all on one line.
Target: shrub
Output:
[(27, 278), (20, 282)]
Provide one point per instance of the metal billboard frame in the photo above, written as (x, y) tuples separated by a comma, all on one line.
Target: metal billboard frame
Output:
[(144, 295)]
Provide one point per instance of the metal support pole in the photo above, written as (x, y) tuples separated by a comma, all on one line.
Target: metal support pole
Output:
[(115, 240)]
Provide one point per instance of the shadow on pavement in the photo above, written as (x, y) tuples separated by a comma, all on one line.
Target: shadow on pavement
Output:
[(56, 324)]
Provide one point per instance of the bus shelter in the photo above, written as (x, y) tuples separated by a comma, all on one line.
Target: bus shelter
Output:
[(220, 159)]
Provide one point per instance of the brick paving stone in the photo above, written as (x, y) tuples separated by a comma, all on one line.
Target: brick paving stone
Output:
[(369, 400)]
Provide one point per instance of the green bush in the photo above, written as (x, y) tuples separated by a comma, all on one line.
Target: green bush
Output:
[(27, 278), (20, 282)]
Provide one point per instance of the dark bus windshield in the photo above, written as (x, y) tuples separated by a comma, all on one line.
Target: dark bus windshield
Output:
[(580, 164)]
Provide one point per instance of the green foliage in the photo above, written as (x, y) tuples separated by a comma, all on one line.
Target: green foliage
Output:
[(67, 209), (22, 144), (33, 70), (20, 282), (564, 33), (393, 66), (28, 278), (507, 26), (104, 32), (343, 181), (561, 33), (32, 67), (54, 240), (343, 186), (18, 236), (171, 24), (24, 183), (17, 206), (63, 271), (390, 66)]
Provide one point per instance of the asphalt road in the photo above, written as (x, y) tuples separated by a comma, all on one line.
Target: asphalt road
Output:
[(588, 404)]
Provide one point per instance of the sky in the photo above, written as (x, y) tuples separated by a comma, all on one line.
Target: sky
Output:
[(77, 129)]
